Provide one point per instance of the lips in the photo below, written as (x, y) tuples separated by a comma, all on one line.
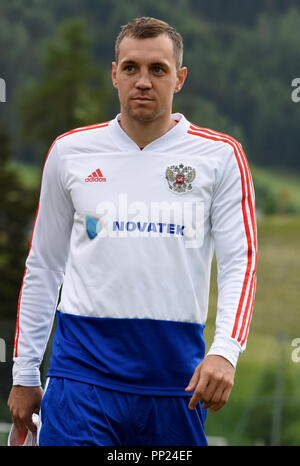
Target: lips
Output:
[(142, 99)]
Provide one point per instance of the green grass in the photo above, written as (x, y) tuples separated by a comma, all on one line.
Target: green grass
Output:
[(285, 186), (247, 417)]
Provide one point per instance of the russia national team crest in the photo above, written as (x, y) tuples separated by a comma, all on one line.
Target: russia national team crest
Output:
[(180, 178)]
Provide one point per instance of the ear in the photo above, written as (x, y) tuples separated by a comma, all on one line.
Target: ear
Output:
[(181, 76), (114, 74)]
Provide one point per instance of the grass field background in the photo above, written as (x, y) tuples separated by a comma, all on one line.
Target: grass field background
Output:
[(283, 185), (264, 406)]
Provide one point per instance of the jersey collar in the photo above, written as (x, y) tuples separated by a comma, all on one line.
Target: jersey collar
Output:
[(125, 143)]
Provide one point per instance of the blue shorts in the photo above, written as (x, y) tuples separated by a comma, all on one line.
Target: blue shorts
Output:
[(79, 414)]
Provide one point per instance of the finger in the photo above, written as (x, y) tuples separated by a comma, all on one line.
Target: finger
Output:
[(215, 397), (31, 426), (23, 421), (193, 382), (19, 424), (28, 423), (223, 400), (209, 393), (199, 391)]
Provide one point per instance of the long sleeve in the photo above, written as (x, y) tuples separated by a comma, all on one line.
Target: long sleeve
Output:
[(234, 234), (44, 272)]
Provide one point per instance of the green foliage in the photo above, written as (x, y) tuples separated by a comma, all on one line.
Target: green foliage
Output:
[(276, 191), (265, 201), (16, 207), (241, 56), (248, 418), (268, 58), (72, 90)]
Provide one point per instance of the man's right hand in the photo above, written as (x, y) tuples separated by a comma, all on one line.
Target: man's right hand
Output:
[(23, 402)]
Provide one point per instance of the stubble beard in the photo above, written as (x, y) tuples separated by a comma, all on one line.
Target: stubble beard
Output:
[(137, 114)]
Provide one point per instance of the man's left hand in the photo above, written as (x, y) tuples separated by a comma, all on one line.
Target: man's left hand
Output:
[(212, 382)]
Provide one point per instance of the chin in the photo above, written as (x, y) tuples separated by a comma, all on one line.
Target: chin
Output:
[(142, 115)]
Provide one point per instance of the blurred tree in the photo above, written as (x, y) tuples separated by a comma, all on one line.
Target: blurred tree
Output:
[(235, 11), (71, 91), (265, 201), (21, 29), (242, 58), (16, 207), (254, 91)]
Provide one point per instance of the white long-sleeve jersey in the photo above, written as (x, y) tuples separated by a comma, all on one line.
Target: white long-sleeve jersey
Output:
[(130, 234)]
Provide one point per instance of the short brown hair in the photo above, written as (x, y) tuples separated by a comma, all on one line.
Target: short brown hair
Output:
[(145, 27)]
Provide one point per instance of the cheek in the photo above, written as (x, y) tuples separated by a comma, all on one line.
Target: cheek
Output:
[(167, 92), (124, 87)]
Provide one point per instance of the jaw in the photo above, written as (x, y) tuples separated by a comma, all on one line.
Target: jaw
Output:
[(144, 113)]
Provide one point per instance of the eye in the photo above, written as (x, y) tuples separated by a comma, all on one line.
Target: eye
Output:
[(158, 69), (129, 68)]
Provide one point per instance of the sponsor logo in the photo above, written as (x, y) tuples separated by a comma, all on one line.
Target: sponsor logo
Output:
[(123, 219), (95, 177)]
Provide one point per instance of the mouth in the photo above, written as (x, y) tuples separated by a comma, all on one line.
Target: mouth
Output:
[(142, 100)]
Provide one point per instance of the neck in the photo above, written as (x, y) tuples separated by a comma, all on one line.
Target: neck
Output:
[(144, 132)]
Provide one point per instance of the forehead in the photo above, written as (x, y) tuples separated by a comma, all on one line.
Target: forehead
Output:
[(152, 49)]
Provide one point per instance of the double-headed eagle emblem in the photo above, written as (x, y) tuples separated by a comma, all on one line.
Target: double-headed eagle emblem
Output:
[(180, 178)]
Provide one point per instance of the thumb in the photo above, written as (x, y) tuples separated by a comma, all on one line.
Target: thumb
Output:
[(194, 380)]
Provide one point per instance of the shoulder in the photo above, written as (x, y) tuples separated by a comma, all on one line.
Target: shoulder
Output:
[(81, 135), (228, 150), (216, 137), (83, 130)]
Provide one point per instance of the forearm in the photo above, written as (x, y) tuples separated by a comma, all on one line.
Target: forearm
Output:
[(236, 290), (37, 304), (234, 234)]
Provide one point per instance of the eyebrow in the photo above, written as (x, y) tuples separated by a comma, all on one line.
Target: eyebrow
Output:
[(157, 63)]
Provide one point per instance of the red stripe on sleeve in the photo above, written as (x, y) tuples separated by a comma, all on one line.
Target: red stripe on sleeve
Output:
[(17, 331), (239, 154)]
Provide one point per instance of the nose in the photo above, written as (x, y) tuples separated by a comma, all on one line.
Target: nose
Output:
[(143, 81)]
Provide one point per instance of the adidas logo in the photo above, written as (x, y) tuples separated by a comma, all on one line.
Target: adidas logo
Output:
[(95, 176)]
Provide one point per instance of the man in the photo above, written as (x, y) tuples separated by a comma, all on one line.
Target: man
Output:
[(130, 212)]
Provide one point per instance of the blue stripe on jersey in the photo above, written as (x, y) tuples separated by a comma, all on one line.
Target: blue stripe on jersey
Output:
[(144, 356)]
